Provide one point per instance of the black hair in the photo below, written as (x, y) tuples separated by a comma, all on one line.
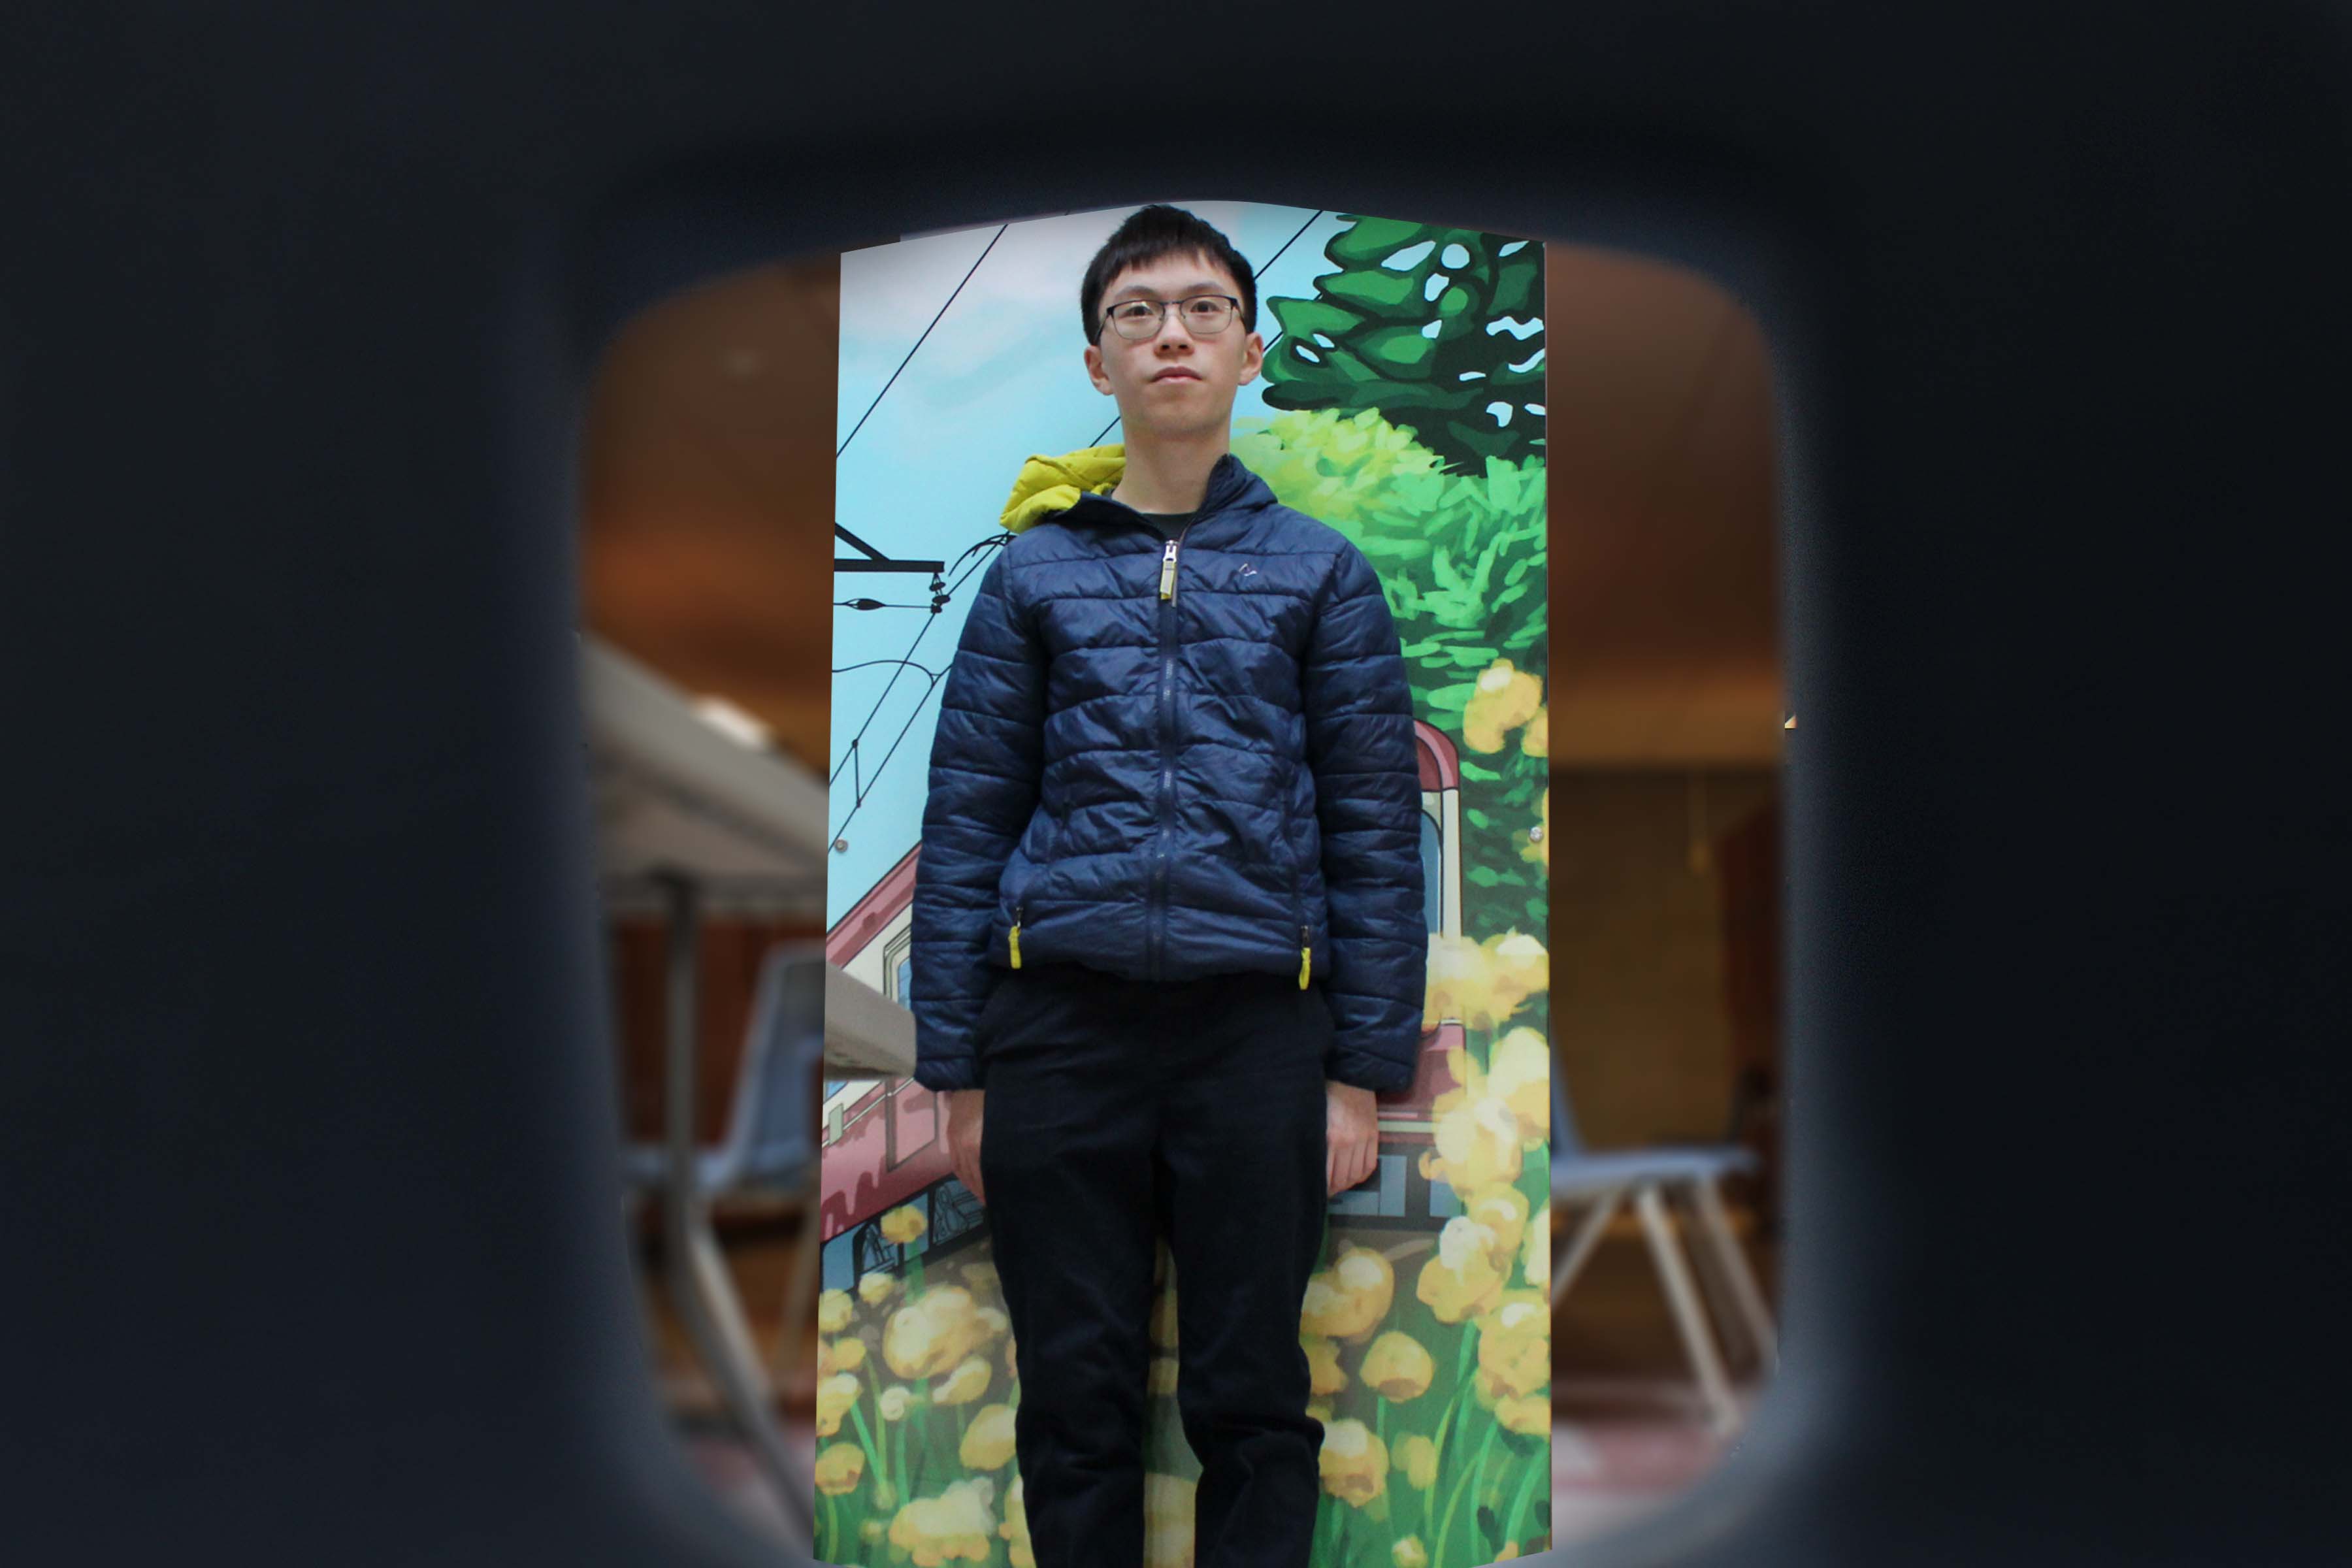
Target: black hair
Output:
[(1153, 234)]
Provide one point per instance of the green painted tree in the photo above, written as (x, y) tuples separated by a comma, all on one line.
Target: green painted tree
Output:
[(1440, 329)]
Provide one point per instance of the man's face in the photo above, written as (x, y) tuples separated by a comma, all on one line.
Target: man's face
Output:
[(1173, 384)]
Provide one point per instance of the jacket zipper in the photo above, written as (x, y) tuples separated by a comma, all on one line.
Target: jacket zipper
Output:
[(1013, 937), (1306, 955), (1156, 927)]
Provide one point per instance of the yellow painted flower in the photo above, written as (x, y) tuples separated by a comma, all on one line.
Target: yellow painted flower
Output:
[(994, 1320), (956, 1525), (928, 1337), (1517, 967), (1528, 1414), (1459, 1277), (1167, 1521), (1539, 846), (1511, 1550), (1321, 1411), (839, 1468), (1348, 1300), (1503, 1211), (1164, 1318), (875, 1288), (980, 1276), (886, 1496), (1354, 1462), (904, 1223), (1456, 987), (1482, 984), (1162, 1376), (1323, 1369), (1417, 1458), (1476, 1137), (1538, 1250), (895, 1402), (1536, 739), (872, 1531), (833, 1309), (988, 1441), (1399, 1366), (1504, 698), (834, 1395), (967, 1383), (1015, 1528), (1408, 1553), (1518, 1073), (839, 1355), (1514, 1343)]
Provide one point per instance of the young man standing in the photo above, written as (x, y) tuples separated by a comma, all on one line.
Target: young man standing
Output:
[(1168, 936)]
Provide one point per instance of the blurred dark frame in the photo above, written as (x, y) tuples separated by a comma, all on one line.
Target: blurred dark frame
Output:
[(309, 1145)]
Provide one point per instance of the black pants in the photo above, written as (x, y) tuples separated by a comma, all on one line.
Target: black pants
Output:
[(1117, 1111)]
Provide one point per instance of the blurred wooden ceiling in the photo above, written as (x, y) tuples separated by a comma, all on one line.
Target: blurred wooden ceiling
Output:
[(708, 502)]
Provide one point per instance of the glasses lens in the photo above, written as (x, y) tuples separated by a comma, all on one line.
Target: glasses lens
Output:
[(1208, 315), (1135, 319)]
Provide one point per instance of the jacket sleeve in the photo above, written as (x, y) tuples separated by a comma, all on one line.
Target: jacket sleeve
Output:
[(1359, 744), (986, 754)]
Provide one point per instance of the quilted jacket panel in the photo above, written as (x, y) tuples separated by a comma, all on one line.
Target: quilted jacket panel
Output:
[(1221, 781)]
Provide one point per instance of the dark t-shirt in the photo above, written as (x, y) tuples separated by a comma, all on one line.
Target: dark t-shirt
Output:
[(1170, 523)]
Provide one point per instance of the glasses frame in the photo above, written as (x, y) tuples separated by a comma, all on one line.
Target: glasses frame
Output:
[(1159, 316)]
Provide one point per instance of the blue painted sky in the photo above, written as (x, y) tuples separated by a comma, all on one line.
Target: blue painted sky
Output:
[(1000, 378)]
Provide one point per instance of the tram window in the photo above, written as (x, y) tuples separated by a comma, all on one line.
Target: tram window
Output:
[(1382, 1194), (1442, 1203), (1432, 869)]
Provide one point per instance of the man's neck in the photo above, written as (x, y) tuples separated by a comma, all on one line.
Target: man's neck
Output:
[(1170, 476)]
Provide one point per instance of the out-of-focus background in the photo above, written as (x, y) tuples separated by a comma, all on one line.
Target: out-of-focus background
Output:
[(709, 505)]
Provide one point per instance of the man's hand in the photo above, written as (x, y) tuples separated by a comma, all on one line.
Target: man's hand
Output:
[(963, 1113), (1352, 1135)]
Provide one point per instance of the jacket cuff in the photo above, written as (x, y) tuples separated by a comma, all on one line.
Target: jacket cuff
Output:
[(946, 1072), (1382, 1075)]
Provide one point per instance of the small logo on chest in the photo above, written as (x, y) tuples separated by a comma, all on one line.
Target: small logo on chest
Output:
[(1249, 569)]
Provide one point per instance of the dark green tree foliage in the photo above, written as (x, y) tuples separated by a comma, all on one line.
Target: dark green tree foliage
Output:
[(1433, 327)]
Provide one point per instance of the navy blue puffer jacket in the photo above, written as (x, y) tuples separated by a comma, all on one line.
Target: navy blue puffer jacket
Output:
[(1176, 758)]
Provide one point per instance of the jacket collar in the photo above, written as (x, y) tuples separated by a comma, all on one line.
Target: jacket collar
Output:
[(1077, 485)]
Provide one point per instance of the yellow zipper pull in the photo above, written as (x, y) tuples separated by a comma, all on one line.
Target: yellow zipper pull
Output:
[(1168, 571), (1012, 939), (1306, 956)]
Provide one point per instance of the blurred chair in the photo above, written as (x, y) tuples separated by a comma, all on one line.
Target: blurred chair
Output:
[(770, 1146), (1599, 1183)]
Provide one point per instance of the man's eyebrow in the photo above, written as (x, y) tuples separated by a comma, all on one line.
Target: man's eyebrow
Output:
[(1203, 286)]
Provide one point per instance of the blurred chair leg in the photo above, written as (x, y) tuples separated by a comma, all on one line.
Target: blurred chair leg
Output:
[(1690, 1318), (1588, 1236), (799, 1295), (1717, 1226), (699, 1285), (1707, 1268)]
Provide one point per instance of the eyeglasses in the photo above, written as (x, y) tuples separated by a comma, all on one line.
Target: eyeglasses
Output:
[(1205, 315)]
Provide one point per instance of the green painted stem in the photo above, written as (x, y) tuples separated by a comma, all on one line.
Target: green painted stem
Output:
[(1540, 1468), (874, 1465), (1469, 1484)]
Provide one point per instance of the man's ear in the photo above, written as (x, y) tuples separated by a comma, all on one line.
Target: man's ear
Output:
[(1253, 359), (1095, 370)]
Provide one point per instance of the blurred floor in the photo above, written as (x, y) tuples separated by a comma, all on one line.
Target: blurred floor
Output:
[(1628, 1433)]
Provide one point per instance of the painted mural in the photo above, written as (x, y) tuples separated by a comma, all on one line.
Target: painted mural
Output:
[(1402, 403)]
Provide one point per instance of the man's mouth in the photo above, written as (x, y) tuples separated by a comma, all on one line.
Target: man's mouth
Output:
[(1177, 375)]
